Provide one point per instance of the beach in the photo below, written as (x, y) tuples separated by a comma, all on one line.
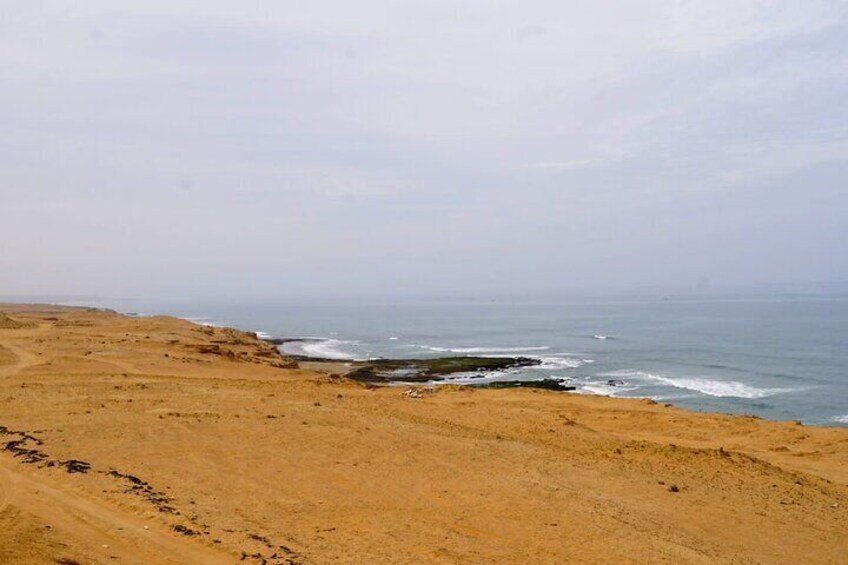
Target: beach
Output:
[(158, 440)]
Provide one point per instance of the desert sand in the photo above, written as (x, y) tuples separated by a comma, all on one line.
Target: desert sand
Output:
[(155, 440)]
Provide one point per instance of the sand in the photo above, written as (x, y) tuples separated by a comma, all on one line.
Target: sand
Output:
[(154, 440)]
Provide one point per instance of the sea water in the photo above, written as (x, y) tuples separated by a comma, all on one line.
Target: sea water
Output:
[(779, 357)]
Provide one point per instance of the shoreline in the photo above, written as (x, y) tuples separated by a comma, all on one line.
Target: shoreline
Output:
[(544, 382), (160, 440), (738, 387), (339, 365)]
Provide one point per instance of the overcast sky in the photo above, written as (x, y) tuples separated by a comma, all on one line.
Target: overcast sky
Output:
[(208, 148)]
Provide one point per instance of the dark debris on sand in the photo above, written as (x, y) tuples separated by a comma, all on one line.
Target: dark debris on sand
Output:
[(26, 449)]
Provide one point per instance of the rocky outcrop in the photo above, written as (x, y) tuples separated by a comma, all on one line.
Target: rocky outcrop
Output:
[(423, 370), (546, 384)]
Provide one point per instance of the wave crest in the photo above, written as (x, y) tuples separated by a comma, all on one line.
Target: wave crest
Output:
[(328, 349), (709, 387), (485, 349)]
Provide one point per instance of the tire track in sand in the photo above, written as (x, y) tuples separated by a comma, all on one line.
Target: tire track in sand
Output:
[(98, 529), (89, 526), (18, 357)]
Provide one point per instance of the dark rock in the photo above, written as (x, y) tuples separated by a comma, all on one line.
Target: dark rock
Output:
[(76, 466), (186, 531), (546, 384), (422, 370), (284, 340)]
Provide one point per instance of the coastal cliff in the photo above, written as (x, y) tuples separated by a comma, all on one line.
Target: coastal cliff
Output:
[(155, 440)]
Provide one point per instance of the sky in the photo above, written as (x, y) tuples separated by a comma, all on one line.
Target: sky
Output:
[(217, 149)]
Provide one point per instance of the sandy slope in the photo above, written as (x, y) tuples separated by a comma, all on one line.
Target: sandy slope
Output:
[(207, 432)]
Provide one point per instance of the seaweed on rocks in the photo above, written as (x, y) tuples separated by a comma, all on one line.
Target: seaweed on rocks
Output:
[(545, 384), (410, 370), (423, 370)]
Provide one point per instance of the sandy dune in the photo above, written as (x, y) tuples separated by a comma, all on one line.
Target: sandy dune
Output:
[(154, 440)]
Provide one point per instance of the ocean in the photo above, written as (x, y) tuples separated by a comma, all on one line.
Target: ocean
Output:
[(776, 356)]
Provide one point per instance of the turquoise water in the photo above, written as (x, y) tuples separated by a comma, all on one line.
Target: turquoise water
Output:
[(780, 357)]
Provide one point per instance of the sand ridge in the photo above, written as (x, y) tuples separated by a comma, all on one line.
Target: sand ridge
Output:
[(204, 445), (9, 323)]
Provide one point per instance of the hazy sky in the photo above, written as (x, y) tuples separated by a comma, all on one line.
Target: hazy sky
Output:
[(208, 148)]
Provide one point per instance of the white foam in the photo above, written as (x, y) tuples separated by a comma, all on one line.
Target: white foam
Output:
[(710, 387), (723, 388), (552, 363), (603, 389), (628, 373), (840, 419), (601, 337), (472, 350), (474, 377), (263, 335), (328, 349), (393, 338), (596, 389), (204, 322)]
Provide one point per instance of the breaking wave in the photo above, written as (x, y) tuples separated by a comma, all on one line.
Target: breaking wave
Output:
[(709, 387), (605, 389), (553, 363), (472, 350), (329, 349)]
